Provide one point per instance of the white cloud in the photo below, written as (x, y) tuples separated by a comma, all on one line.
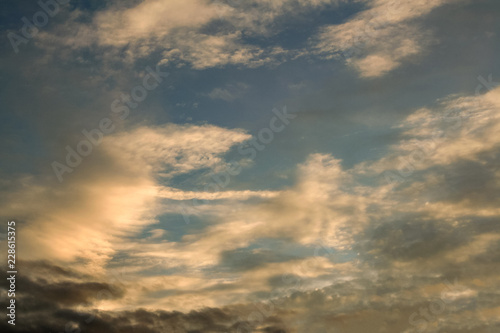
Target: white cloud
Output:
[(174, 149), (380, 38), (175, 194), (461, 128), (177, 30), (150, 20)]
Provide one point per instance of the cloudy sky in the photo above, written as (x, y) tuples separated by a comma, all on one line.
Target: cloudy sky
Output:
[(252, 165)]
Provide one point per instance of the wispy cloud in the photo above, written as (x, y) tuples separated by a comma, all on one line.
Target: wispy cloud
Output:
[(380, 38), (392, 226), (73, 214), (230, 92), (179, 30)]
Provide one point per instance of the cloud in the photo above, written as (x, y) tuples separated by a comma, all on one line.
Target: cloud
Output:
[(206, 34), (174, 149), (204, 51), (150, 20), (244, 259), (317, 210), (425, 223), (113, 195), (392, 304), (385, 251), (380, 38), (200, 33), (68, 293), (447, 150), (175, 194), (230, 92), (376, 65)]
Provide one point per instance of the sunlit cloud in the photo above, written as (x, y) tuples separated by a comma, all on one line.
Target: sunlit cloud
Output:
[(301, 166)]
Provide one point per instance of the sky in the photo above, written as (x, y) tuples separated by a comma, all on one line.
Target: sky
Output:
[(251, 166)]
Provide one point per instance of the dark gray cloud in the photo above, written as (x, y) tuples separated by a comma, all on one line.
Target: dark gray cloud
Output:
[(67, 293), (414, 237), (384, 305)]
